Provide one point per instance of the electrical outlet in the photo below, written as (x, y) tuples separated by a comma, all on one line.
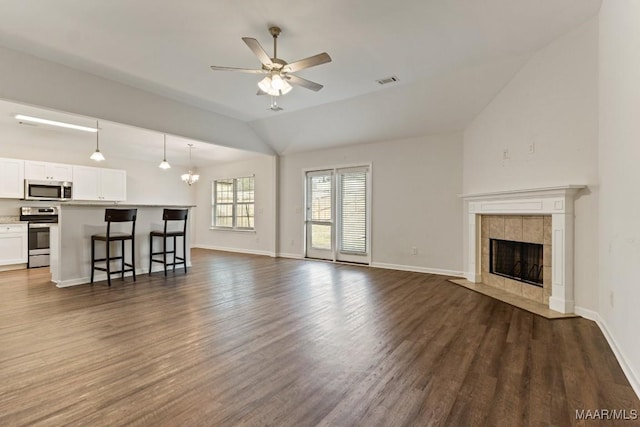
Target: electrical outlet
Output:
[(414, 251), (532, 148), (505, 154)]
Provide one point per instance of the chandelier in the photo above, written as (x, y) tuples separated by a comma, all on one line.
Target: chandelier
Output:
[(190, 177)]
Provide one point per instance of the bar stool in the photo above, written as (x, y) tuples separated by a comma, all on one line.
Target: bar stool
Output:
[(170, 215), (115, 215)]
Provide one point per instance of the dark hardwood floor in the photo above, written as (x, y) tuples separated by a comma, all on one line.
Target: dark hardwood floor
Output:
[(250, 340)]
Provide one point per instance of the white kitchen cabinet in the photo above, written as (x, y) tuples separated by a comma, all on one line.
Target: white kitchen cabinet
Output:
[(14, 244), (12, 178), (45, 171), (99, 184)]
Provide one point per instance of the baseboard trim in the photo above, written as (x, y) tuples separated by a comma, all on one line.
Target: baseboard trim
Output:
[(292, 256), (417, 269), (11, 267), (631, 375), (235, 250), (586, 313), (103, 276)]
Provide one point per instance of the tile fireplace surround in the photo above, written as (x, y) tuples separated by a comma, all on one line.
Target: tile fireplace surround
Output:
[(554, 201)]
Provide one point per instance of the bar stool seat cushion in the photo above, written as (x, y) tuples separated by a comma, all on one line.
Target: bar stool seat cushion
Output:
[(168, 233), (115, 235)]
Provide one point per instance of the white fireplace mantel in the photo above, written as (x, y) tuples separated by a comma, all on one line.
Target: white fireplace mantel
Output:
[(555, 201)]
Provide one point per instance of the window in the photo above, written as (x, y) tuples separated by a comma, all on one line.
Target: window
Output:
[(233, 203)]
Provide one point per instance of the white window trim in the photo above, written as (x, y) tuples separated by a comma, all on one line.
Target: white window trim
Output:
[(235, 203)]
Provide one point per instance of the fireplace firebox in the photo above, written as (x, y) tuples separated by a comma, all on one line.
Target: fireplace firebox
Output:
[(516, 260)]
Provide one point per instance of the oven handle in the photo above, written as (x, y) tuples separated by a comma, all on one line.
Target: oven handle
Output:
[(39, 225)]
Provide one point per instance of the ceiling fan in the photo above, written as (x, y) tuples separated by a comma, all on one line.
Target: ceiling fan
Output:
[(278, 78)]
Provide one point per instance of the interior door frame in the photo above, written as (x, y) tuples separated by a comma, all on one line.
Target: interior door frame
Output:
[(335, 168)]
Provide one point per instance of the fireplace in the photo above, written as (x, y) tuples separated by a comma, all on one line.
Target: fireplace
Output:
[(554, 207), (519, 261)]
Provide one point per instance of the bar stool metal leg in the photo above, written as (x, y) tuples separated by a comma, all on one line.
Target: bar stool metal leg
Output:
[(93, 257), (174, 253), (164, 254), (133, 256), (107, 244)]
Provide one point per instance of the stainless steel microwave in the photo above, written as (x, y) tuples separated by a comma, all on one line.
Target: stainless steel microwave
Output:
[(47, 190)]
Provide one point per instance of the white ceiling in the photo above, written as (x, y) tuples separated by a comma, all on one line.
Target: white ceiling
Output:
[(451, 57)]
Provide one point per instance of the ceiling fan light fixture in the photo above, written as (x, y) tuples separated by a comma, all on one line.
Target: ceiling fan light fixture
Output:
[(282, 87), (276, 82), (265, 84), (286, 88)]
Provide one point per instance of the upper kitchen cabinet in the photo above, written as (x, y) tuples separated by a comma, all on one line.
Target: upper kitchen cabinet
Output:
[(12, 178), (45, 171), (99, 184)]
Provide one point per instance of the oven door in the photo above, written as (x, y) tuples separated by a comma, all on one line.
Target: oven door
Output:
[(39, 245)]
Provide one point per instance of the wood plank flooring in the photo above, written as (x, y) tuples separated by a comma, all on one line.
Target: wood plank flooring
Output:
[(256, 341)]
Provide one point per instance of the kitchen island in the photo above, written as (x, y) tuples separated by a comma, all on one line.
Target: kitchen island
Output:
[(77, 222)]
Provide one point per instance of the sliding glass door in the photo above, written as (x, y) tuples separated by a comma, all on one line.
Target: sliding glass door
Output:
[(338, 214)]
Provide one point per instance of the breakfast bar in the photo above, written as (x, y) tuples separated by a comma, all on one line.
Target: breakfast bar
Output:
[(77, 222)]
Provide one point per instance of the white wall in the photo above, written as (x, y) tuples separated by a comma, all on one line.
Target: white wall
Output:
[(415, 185), (38, 82), (619, 205), (261, 241), (552, 103), (146, 183)]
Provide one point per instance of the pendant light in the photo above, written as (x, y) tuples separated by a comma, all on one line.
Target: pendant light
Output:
[(190, 178), (97, 155), (165, 165)]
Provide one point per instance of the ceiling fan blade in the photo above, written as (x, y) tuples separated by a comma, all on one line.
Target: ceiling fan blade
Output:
[(242, 70), (308, 84), (311, 61), (255, 46)]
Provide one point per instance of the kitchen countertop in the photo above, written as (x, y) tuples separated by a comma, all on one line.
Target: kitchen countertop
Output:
[(11, 220), (123, 205)]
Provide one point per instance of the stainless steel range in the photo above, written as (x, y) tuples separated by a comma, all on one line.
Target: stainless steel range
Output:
[(40, 220)]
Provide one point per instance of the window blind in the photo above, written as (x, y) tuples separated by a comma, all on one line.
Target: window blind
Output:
[(353, 212)]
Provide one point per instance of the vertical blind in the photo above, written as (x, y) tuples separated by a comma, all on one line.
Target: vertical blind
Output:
[(353, 210)]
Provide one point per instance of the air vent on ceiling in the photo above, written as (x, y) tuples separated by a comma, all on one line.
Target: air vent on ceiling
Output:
[(387, 80)]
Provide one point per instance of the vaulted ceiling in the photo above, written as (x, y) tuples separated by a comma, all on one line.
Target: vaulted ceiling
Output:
[(451, 57)]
